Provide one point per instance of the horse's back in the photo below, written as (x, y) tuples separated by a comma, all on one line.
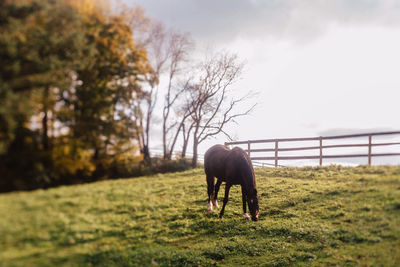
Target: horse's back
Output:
[(214, 161), (225, 163)]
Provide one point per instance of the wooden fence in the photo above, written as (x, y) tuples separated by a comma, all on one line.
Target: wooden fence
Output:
[(320, 147)]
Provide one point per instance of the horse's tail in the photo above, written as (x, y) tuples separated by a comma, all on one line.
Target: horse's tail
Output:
[(210, 191), (210, 185)]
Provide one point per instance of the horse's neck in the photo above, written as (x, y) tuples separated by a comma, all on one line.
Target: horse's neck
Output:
[(249, 184), (247, 174)]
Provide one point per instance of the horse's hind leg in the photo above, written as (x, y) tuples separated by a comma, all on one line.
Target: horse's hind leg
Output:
[(214, 201), (210, 191)]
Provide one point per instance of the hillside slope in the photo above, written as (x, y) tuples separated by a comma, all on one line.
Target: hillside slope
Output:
[(308, 216)]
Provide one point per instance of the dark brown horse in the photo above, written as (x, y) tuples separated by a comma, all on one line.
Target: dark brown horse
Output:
[(233, 167)]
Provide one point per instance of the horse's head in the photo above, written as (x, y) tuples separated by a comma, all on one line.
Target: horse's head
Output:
[(252, 201)]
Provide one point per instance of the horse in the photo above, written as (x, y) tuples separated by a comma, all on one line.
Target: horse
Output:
[(234, 167)]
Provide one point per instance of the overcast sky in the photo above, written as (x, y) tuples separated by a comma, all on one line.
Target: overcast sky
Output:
[(321, 67)]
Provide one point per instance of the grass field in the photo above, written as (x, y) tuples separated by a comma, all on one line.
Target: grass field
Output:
[(308, 216)]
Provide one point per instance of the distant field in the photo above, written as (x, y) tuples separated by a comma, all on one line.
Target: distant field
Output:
[(308, 216)]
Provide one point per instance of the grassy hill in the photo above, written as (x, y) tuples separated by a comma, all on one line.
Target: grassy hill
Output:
[(308, 216)]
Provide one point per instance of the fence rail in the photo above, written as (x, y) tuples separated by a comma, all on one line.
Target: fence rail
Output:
[(319, 147)]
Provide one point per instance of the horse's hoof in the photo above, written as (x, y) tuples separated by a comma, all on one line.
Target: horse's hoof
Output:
[(246, 216), (210, 207), (215, 203)]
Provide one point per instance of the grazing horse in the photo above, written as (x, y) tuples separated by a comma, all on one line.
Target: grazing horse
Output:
[(233, 167)]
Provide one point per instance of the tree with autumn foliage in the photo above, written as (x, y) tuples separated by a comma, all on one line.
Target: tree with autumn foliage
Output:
[(101, 101), (69, 72)]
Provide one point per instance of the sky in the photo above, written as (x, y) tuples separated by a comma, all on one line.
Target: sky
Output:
[(320, 67)]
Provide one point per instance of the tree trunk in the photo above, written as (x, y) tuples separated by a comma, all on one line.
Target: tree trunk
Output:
[(45, 134), (164, 140), (195, 145), (96, 154), (146, 139), (175, 139), (186, 136), (45, 137), (146, 154), (184, 148), (194, 159)]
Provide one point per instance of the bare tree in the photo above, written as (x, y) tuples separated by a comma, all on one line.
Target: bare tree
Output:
[(212, 105), (178, 52), (158, 58), (167, 52), (151, 38), (207, 106)]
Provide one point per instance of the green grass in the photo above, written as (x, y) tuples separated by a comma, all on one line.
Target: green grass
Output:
[(308, 216)]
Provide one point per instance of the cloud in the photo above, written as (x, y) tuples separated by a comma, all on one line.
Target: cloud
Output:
[(299, 20)]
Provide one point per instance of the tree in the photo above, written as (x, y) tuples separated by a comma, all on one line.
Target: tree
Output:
[(177, 51), (108, 84), (212, 105), (187, 127), (70, 71), (40, 42), (152, 39), (167, 51)]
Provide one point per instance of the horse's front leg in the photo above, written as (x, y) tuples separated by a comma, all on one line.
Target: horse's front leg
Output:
[(244, 200), (217, 185), (210, 191), (226, 198)]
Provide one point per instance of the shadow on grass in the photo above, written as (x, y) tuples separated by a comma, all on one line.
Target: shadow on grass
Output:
[(133, 256)]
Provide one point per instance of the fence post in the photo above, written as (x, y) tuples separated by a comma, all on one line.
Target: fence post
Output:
[(248, 148), (369, 149), (320, 151), (276, 153)]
